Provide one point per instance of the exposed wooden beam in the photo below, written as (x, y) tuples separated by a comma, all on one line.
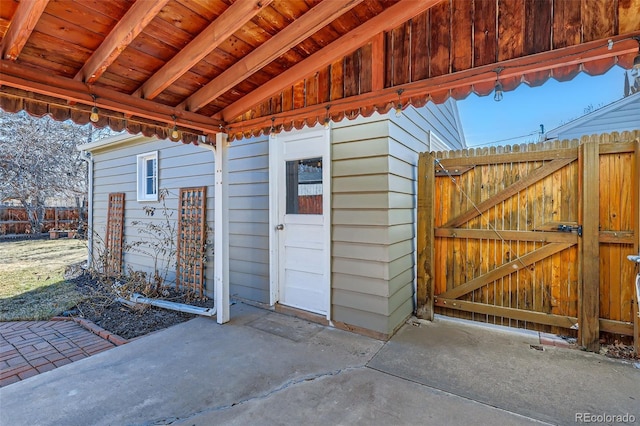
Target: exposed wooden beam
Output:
[(22, 24), (385, 21), (546, 61), (308, 24), (26, 78), (238, 14), (125, 31)]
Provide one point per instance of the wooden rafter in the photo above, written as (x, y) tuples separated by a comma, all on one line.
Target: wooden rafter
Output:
[(22, 25), (125, 31), (238, 14), (308, 24), (26, 78), (385, 21)]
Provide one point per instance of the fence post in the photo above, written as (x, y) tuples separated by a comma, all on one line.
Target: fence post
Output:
[(635, 190), (589, 296), (425, 236)]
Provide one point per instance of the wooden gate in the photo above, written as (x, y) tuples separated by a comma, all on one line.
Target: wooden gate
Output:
[(532, 236)]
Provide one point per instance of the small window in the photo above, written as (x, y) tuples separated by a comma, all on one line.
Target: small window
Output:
[(304, 186), (148, 176)]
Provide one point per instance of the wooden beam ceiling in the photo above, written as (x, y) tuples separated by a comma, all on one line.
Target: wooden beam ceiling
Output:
[(248, 62), (217, 32), (22, 25), (125, 31), (307, 25), (442, 86), (385, 21)]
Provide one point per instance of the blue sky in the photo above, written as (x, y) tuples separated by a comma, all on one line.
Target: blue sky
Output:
[(521, 111)]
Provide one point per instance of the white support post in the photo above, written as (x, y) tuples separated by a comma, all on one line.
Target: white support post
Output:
[(221, 230)]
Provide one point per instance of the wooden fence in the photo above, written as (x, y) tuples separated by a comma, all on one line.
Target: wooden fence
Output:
[(14, 220), (533, 236)]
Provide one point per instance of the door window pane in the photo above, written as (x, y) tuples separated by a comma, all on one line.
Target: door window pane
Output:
[(304, 186)]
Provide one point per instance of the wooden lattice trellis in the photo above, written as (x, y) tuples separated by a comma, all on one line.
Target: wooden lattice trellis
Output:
[(191, 238), (113, 237)]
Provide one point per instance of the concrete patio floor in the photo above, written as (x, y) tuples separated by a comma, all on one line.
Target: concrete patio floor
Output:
[(268, 368)]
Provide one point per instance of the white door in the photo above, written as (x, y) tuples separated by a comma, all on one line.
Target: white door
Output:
[(302, 219)]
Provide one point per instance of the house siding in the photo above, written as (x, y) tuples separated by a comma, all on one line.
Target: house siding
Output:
[(374, 209), (249, 219), (620, 116), (179, 166)]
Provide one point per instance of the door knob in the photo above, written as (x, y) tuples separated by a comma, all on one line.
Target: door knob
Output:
[(280, 227)]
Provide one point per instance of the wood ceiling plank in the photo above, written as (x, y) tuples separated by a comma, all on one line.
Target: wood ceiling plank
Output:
[(440, 39), (598, 19), (462, 27), (510, 30), (401, 53), (22, 24), (385, 21), (377, 63), (352, 74), (537, 25), (485, 33), (628, 15), (309, 23), (208, 40), (566, 23), (127, 29)]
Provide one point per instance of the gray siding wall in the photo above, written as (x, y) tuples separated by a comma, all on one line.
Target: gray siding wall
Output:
[(249, 219), (179, 166), (442, 120), (374, 211), (374, 162), (369, 247)]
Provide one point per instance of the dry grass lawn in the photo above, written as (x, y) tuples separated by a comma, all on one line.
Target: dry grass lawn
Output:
[(32, 285)]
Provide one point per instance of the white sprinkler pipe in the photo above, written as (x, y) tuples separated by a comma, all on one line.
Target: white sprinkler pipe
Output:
[(174, 306)]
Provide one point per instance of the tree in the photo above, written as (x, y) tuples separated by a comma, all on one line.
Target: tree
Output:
[(39, 161)]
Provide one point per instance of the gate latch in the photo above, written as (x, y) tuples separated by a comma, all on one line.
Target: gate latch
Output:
[(569, 228)]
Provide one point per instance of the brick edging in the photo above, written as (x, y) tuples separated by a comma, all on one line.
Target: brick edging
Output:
[(85, 323)]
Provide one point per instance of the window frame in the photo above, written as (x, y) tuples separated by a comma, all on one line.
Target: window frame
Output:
[(142, 176)]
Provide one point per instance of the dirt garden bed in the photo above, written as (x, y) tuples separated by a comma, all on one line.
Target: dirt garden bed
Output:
[(99, 305)]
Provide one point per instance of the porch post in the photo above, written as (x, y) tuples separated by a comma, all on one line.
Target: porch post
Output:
[(635, 191), (221, 229)]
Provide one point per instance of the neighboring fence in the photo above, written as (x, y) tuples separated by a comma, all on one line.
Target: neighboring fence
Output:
[(14, 220), (533, 236)]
